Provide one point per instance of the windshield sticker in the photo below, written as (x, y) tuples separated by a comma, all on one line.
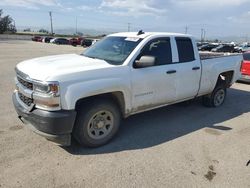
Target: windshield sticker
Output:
[(132, 39)]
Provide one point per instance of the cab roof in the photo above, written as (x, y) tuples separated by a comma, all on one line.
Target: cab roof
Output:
[(146, 34)]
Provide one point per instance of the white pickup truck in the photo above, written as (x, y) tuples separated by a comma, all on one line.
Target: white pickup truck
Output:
[(123, 74)]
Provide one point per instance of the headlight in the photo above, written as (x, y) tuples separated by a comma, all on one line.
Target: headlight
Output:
[(47, 87), (47, 95)]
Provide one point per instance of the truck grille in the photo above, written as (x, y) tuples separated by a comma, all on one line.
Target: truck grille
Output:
[(25, 83), (26, 100)]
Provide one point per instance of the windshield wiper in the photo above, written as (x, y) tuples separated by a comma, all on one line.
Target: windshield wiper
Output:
[(93, 57)]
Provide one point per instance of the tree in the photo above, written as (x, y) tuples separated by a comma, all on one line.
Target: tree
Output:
[(43, 31), (6, 23), (27, 30)]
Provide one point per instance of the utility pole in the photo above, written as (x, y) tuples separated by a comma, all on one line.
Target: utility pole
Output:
[(202, 30), (76, 25), (186, 29), (129, 27), (204, 35), (51, 24)]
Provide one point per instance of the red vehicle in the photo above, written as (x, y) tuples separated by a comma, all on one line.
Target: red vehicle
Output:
[(37, 38), (245, 68), (40, 39), (75, 41)]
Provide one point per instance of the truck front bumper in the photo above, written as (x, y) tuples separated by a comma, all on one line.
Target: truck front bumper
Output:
[(55, 126)]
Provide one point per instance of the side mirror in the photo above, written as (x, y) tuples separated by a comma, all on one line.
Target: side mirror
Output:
[(145, 61)]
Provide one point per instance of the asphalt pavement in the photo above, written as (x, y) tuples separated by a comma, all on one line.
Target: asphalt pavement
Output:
[(183, 145)]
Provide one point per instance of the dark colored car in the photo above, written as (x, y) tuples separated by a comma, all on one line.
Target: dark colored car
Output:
[(208, 47), (86, 42), (237, 49), (75, 41), (37, 38), (224, 48), (61, 41), (47, 39), (199, 44)]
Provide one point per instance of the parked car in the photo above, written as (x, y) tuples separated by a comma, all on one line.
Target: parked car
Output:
[(94, 41), (36, 38), (237, 49), (243, 48), (208, 47), (86, 95), (47, 39), (86, 42), (198, 44), (60, 41), (40, 39), (245, 67), (75, 41), (224, 48), (52, 40)]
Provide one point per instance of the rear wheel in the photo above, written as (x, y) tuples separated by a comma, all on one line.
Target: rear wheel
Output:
[(97, 123), (216, 98)]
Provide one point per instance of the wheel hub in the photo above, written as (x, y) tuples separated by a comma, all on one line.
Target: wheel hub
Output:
[(100, 124)]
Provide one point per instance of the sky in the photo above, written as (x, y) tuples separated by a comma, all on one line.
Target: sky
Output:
[(216, 17)]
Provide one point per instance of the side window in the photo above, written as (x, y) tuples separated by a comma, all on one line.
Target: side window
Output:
[(185, 49), (160, 49)]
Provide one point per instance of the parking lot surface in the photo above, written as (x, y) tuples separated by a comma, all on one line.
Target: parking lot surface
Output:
[(183, 145)]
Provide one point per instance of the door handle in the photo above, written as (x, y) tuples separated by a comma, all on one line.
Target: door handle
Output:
[(171, 72), (196, 68)]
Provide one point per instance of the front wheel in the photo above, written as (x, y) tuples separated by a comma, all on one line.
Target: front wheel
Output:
[(97, 123), (216, 98)]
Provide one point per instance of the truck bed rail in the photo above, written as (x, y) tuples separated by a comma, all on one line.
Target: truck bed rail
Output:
[(211, 55)]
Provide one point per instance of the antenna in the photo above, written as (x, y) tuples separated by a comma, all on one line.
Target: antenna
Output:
[(140, 32)]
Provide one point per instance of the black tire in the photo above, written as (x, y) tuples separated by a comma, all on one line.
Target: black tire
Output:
[(216, 98), (87, 131)]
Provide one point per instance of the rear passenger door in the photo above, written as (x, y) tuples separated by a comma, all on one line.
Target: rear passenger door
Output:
[(188, 69)]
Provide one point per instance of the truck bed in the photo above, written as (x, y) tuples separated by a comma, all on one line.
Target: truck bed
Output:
[(215, 63)]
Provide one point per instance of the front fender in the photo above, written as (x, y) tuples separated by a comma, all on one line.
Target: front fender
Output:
[(73, 92)]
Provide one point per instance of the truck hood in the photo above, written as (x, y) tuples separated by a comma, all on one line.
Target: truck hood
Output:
[(43, 68)]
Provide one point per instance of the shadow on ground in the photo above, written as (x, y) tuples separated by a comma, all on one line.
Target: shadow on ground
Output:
[(162, 125)]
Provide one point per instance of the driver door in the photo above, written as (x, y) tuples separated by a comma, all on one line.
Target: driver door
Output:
[(155, 85)]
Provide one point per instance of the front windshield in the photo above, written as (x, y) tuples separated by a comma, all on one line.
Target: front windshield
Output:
[(112, 49)]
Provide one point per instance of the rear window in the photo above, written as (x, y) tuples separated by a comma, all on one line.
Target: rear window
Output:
[(185, 49), (246, 56)]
